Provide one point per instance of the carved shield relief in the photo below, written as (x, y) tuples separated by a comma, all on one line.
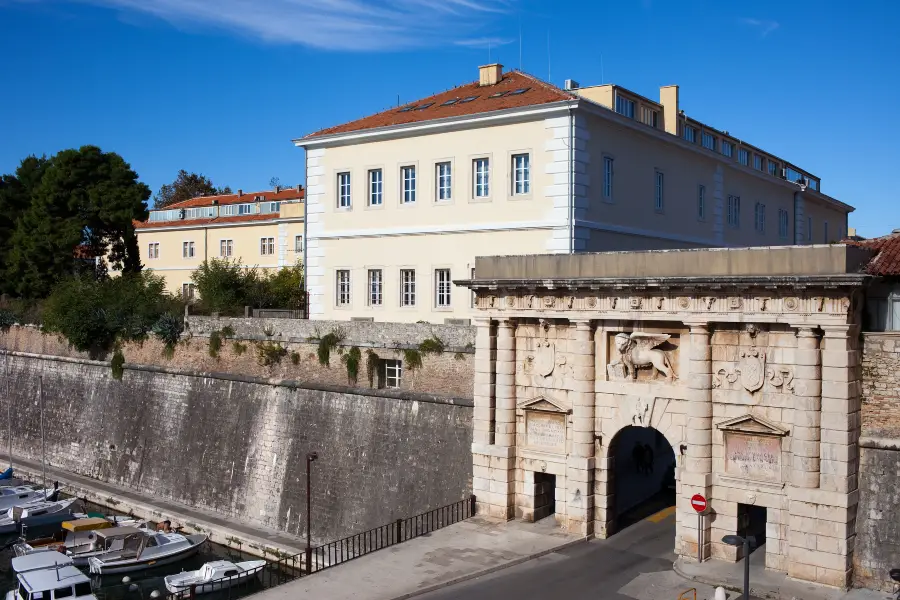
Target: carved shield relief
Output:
[(753, 369), (544, 358)]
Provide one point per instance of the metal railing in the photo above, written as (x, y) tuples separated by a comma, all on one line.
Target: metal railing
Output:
[(329, 555)]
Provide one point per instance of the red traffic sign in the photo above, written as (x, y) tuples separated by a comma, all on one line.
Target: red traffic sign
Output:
[(698, 503)]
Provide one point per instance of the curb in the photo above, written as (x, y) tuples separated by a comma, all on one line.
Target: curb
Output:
[(489, 570), (765, 594)]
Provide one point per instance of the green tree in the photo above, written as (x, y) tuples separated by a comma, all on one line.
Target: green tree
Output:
[(186, 186), (15, 198), (221, 285), (85, 197)]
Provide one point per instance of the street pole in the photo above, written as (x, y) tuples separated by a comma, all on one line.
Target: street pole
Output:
[(746, 568), (699, 538), (9, 412), (309, 459), (43, 447)]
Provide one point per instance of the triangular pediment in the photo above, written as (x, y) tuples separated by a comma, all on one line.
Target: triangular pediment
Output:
[(546, 404), (752, 424)]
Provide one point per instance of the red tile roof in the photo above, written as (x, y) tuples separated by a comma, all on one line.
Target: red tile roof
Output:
[(201, 222), (886, 263), (538, 92), (225, 199)]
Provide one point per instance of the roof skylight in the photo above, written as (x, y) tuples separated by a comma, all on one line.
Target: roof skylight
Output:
[(468, 99), (518, 91), (497, 95), (424, 106), (451, 101)]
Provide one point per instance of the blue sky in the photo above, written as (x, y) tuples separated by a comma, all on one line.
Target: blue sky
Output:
[(222, 86)]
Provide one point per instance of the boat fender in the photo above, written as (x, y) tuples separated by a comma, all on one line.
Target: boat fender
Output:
[(61, 548)]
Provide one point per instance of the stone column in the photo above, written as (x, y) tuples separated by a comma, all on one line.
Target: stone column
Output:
[(807, 409), (696, 469), (483, 393), (505, 413), (580, 463), (841, 405)]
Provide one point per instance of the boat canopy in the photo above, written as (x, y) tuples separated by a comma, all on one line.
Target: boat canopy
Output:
[(40, 560), (113, 532), (90, 524), (52, 579)]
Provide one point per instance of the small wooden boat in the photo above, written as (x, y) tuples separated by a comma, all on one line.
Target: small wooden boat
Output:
[(214, 576), (40, 513), (57, 582), (144, 551), (39, 561)]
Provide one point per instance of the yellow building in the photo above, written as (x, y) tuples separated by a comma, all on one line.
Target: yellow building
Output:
[(400, 203), (259, 229)]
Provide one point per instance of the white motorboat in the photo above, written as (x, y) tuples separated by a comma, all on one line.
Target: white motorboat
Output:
[(23, 494), (143, 551), (214, 576), (40, 561), (40, 513), (57, 582), (77, 538)]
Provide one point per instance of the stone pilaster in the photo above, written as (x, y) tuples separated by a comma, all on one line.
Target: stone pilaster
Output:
[(841, 404), (807, 409), (580, 463), (483, 393), (696, 468), (505, 388)]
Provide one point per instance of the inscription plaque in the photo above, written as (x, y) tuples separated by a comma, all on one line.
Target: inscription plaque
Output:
[(545, 430), (753, 456)]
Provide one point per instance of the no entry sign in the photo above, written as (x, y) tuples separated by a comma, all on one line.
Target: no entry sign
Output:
[(698, 503)]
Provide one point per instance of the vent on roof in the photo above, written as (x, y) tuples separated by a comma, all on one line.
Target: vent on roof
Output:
[(467, 99), (518, 91), (449, 102), (424, 106), (497, 95)]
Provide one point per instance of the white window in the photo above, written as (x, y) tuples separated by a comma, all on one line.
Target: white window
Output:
[(408, 176), (444, 181), (743, 157), (442, 286), (690, 134), (407, 287), (481, 168), (343, 287), (521, 174), (188, 290), (298, 243), (376, 187), (727, 149), (658, 203), (393, 370), (649, 116), (375, 287), (226, 248), (607, 177), (759, 217), (153, 250), (343, 190), (757, 162), (187, 250), (782, 223), (701, 202), (809, 231), (624, 106), (267, 246), (734, 211), (773, 168), (709, 141)]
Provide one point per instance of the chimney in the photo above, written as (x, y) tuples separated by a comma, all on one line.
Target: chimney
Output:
[(240, 193), (668, 97), (490, 74), (277, 188)]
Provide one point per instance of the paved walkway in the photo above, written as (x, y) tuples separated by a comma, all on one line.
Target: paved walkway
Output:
[(228, 532), (764, 583), (469, 549)]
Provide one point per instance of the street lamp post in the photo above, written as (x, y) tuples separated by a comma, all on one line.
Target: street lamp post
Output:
[(309, 459), (736, 540)]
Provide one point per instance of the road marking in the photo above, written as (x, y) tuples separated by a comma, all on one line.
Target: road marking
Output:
[(661, 515)]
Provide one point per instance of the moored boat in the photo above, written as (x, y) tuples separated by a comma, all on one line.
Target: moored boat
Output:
[(76, 538), (40, 513), (214, 576), (58, 582), (17, 495), (144, 551), (40, 561)]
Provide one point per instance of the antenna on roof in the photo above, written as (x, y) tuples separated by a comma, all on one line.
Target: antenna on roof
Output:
[(548, 56), (520, 42), (602, 78), (398, 99), (489, 52)]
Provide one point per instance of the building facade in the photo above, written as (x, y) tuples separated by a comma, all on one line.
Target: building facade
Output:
[(258, 229), (401, 202), (737, 370)]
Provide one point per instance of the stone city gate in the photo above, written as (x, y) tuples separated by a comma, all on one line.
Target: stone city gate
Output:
[(749, 372)]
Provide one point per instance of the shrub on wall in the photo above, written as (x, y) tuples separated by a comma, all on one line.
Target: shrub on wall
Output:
[(372, 362), (327, 343), (7, 320), (269, 354), (351, 360), (168, 329), (118, 364)]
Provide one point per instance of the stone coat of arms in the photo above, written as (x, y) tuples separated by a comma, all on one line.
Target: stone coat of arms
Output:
[(752, 369), (544, 358)]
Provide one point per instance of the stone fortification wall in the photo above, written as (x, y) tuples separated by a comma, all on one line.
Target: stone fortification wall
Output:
[(450, 373), (237, 444), (878, 518)]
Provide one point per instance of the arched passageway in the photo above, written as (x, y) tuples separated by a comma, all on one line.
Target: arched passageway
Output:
[(642, 475)]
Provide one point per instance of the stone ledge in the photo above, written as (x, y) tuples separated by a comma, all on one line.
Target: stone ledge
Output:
[(880, 443)]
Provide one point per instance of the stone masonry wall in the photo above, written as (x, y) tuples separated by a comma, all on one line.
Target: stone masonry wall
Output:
[(449, 374), (237, 444), (878, 520)]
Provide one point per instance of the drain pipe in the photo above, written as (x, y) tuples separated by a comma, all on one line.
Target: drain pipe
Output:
[(571, 180)]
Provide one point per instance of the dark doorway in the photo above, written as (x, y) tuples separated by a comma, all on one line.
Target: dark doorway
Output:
[(752, 521), (544, 495), (643, 477)]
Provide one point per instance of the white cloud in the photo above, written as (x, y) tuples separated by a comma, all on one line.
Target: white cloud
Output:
[(764, 27), (355, 25), (484, 42)]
